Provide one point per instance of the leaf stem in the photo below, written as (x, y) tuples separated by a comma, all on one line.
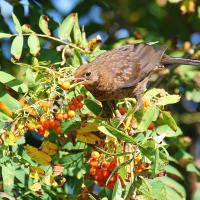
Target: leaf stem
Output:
[(53, 38)]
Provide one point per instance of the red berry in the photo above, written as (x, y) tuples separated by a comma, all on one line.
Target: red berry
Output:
[(151, 126), (51, 123), (57, 130), (72, 107), (105, 164), (79, 98), (122, 110), (100, 183), (113, 165), (56, 123)]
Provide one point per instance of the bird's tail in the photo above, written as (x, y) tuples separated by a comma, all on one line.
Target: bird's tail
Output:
[(170, 60)]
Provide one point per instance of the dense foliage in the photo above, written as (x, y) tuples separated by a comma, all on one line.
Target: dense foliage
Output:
[(59, 142)]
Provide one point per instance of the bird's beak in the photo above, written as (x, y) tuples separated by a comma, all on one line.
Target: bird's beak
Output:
[(77, 81)]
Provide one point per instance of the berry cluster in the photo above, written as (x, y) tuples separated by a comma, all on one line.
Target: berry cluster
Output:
[(76, 103), (101, 171), (53, 123)]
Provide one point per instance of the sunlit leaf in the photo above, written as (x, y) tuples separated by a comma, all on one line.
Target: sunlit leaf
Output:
[(168, 119), (77, 31), (43, 24), (12, 82), (93, 105), (17, 23), (150, 115), (113, 132), (117, 191), (8, 174), (16, 46), (34, 44), (169, 99), (5, 35), (66, 27)]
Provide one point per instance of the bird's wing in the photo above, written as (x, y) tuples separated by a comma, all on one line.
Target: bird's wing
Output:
[(137, 62)]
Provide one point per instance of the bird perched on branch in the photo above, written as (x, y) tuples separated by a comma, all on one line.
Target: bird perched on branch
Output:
[(124, 71)]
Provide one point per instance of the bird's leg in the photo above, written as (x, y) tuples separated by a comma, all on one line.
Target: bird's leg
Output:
[(139, 91), (108, 109)]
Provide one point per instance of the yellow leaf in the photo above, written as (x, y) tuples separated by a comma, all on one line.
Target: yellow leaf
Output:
[(39, 156), (50, 181), (88, 127), (49, 148), (36, 187), (87, 137), (36, 172)]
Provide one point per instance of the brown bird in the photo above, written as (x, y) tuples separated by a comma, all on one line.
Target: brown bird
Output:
[(124, 71)]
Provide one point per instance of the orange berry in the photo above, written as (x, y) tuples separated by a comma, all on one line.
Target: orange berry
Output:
[(105, 164), (59, 116), (99, 174), (95, 155), (79, 98), (151, 126), (43, 119), (114, 178), (45, 124), (93, 171), (51, 123), (65, 85), (65, 116), (71, 114), (57, 130), (31, 126), (122, 110), (94, 163)]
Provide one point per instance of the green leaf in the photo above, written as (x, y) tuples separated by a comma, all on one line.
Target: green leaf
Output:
[(66, 27), (155, 163), (174, 1), (77, 31), (168, 119), (167, 131), (43, 24), (111, 131), (4, 117), (174, 185), (150, 115), (172, 170), (145, 188), (152, 93), (169, 99), (71, 158), (12, 82), (8, 100), (5, 35), (8, 174), (69, 125), (94, 106), (196, 194), (16, 46), (117, 191), (192, 168), (34, 44), (17, 23)]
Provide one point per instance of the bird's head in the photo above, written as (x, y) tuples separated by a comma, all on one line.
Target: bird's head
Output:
[(87, 75)]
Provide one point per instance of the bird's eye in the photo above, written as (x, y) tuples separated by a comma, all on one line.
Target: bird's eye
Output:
[(88, 74)]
